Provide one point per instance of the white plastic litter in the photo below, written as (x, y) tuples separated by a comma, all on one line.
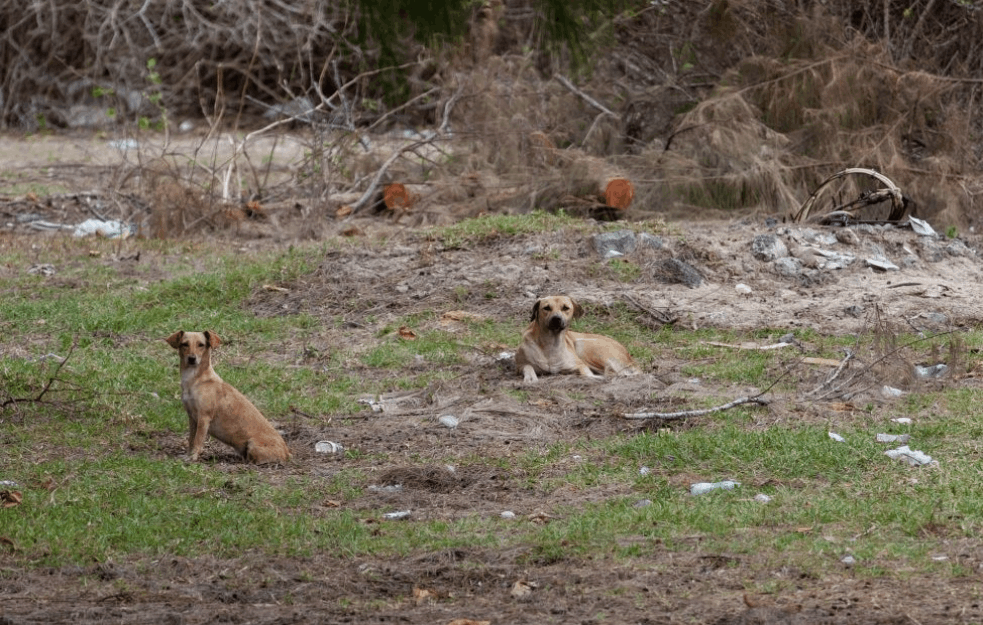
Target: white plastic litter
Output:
[(912, 456), (836, 437), (396, 516), (849, 560), (389, 488), (449, 421), (902, 420), (111, 228), (508, 514), (644, 471), (763, 498), (328, 447), (743, 289), (705, 487), (921, 227), (933, 371), (890, 391), (892, 438)]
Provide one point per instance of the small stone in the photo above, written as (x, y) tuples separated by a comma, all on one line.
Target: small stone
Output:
[(768, 247), (621, 241)]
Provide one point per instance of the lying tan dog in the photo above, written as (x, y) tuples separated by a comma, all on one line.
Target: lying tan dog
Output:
[(549, 347), (215, 407)]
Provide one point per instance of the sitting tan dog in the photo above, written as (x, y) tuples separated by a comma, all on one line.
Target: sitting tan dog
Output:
[(549, 347), (215, 407)]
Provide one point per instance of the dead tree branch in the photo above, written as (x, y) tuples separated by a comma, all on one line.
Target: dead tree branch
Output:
[(683, 414)]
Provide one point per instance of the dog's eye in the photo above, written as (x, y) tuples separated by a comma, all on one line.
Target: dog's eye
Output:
[(565, 307), (185, 344), (547, 308)]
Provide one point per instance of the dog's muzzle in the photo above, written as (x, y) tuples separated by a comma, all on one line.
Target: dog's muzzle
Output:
[(556, 323), (192, 360)]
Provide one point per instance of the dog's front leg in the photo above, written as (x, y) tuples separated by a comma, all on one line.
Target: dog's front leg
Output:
[(197, 434), (529, 373)]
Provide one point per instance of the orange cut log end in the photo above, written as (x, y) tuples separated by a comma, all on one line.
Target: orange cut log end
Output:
[(619, 193), (396, 196)]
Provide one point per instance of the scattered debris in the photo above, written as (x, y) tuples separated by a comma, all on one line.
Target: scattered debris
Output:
[(328, 447), (902, 420), (762, 498), (671, 416), (10, 498), (522, 589), (642, 503), (881, 263), (836, 437), (891, 392), (844, 213), (44, 269), (743, 289), (752, 346), (849, 560), (768, 247), (389, 488), (933, 371), (449, 421), (111, 229), (508, 514), (913, 457), (921, 227), (892, 438), (705, 487), (397, 516)]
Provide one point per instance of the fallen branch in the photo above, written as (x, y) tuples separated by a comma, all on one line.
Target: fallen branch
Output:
[(752, 346), (36, 400), (832, 376), (665, 318), (586, 98), (370, 192), (683, 414)]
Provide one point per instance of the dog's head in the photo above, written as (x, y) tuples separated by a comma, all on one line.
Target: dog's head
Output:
[(193, 346), (555, 313)]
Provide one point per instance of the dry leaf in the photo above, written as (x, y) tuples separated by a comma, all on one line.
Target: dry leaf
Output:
[(522, 589), (10, 498), (343, 211), (271, 287), (95, 253), (6, 541), (30, 196), (421, 596), (331, 503), (352, 231), (406, 334), (467, 621)]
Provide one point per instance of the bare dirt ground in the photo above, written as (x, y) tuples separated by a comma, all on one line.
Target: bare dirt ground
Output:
[(390, 271)]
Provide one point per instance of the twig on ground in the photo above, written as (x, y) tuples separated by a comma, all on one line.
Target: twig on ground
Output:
[(47, 386), (664, 318), (683, 414), (586, 98), (832, 376)]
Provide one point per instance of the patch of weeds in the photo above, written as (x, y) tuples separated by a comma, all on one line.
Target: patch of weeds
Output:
[(487, 228), (623, 270)]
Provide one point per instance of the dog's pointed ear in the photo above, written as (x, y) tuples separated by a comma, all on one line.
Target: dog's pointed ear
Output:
[(174, 340), (578, 310), (535, 311), (211, 339)]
